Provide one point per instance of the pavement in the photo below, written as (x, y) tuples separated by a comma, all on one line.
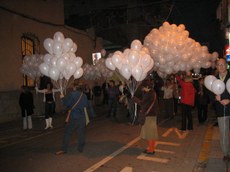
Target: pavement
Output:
[(210, 159)]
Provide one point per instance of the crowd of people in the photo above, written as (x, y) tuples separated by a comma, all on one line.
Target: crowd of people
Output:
[(177, 92)]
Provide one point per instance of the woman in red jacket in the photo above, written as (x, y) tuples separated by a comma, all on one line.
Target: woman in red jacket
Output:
[(187, 100)]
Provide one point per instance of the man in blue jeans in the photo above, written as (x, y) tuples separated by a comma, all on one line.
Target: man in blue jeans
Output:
[(76, 101)]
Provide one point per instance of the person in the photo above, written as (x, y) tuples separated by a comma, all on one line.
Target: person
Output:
[(187, 100), (222, 106), (26, 103), (202, 101), (147, 115), (168, 98), (76, 101), (113, 94), (104, 91), (88, 93), (49, 99), (97, 94)]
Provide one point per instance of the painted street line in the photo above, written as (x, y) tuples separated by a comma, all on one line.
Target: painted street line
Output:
[(111, 156), (155, 159), (167, 143), (127, 169), (164, 151), (203, 156), (180, 134)]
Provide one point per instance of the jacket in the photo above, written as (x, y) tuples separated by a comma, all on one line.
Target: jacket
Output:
[(187, 92)]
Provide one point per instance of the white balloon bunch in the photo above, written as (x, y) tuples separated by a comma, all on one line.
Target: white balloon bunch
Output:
[(135, 61), (61, 62), (97, 71), (215, 85), (30, 66), (173, 50)]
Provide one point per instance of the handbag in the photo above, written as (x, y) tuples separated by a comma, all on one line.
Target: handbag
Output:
[(69, 111)]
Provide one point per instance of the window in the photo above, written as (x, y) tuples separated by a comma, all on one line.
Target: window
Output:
[(29, 45)]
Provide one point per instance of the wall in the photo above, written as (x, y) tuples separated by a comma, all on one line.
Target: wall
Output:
[(13, 25)]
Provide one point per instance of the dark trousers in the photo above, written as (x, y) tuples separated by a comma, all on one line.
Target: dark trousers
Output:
[(112, 107), (187, 122), (49, 110), (74, 125), (202, 112)]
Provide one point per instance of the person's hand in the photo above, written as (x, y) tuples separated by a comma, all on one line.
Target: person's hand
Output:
[(61, 95), (225, 102), (218, 97)]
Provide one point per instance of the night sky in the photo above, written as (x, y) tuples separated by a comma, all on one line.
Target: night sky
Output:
[(199, 18)]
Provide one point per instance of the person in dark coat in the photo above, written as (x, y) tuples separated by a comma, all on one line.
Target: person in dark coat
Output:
[(202, 101), (147, 115), (26, 103), (222, 106)]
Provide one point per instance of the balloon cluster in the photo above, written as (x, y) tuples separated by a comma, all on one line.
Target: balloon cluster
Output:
[(215, 85), (61, 62), (173, 50), (135, 61), (30, 66), (97, 71)]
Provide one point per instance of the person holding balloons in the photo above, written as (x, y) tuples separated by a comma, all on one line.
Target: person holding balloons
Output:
[(187, 100), (222, 105)]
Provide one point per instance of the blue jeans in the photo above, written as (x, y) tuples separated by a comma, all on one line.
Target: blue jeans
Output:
[(223, 123), (80, 126)]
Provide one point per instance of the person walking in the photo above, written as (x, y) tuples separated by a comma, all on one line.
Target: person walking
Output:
[(49, 99), (187, 100), (75, 102), (88, 93), (168, 98), (147, 115), (113, 94), (202, 101), (26, 103), (222, 105)]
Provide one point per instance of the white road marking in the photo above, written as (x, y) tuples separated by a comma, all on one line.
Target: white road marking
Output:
[(127, 169), (111, 156), (181, 135), (155, 159), (167, 143)]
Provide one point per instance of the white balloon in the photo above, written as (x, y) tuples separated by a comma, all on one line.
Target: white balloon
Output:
[(47, 58), (208, 80), (61, 64), (117, 61), (59, 37), (78, 62), (44, 69), (133, 58), (145, 60), (137, 73), (126, 71), (109, 64), (57, 48), (54, 73), (67, 45), (136, 45), (74, 48), (48, 45), (71, 68), (218, 87), (228, 85), (78, 73)]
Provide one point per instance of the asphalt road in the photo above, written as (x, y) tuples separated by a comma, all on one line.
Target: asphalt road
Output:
[(112, 146)]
